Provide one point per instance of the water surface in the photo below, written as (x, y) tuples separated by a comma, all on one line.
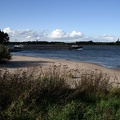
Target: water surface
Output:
[(107, 56)]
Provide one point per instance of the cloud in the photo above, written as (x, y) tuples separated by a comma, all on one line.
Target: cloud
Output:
[(9, 31), (109, 37), (28, 37), (75, 34), (55, 35), (61, 35), (105, 38), (21, 35)]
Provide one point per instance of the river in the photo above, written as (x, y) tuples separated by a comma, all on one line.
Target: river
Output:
[(107, 56)]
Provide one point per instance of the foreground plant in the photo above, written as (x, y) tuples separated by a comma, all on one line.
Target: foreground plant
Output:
[(36, 94)]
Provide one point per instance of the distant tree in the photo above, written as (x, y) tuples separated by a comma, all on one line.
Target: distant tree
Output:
[(4, 52), (4, 37)]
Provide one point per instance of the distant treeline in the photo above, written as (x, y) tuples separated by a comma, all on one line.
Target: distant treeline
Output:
[(64, 43)]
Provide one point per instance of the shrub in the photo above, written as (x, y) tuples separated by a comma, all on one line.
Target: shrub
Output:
[(4, 53)]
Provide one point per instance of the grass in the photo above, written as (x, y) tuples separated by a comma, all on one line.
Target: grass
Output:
[(58, 93)]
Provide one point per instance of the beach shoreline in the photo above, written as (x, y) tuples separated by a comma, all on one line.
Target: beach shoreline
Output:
[(25, 61)]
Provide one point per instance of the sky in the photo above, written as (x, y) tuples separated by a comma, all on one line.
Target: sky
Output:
[(61, 20)]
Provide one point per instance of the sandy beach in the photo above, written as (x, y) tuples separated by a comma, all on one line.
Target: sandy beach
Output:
[(24, 61)]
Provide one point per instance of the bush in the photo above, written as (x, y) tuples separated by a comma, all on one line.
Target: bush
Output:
[(4, 53)]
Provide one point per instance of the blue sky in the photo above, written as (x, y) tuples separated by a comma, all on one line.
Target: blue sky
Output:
[(61, 20)]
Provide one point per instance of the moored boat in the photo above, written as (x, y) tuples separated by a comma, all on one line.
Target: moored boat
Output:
[(76, 47), (16, 48)]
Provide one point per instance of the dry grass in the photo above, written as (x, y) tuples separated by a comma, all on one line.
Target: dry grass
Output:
[(23, 91)]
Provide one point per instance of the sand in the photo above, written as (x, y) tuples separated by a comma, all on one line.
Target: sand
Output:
[(24, 61)]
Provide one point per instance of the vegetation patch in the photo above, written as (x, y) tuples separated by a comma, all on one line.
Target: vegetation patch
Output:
[(4, 54), (57, 93)]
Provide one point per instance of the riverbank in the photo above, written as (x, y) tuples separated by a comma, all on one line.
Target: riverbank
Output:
[(25, 61), (53, 94)]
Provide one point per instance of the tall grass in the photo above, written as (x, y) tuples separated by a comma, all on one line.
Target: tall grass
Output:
[(57, 93)]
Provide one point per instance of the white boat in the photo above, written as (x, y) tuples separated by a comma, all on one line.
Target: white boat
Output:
[(76, 47), (17, 48)]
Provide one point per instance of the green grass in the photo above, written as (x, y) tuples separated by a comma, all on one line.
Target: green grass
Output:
[(58, 94)]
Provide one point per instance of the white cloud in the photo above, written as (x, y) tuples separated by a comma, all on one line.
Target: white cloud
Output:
[(9, 31), (28, 37), (109, 37), (105, 38), (38, 38), (61, 35), (75, 34), (21, 35), (55, 35)]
